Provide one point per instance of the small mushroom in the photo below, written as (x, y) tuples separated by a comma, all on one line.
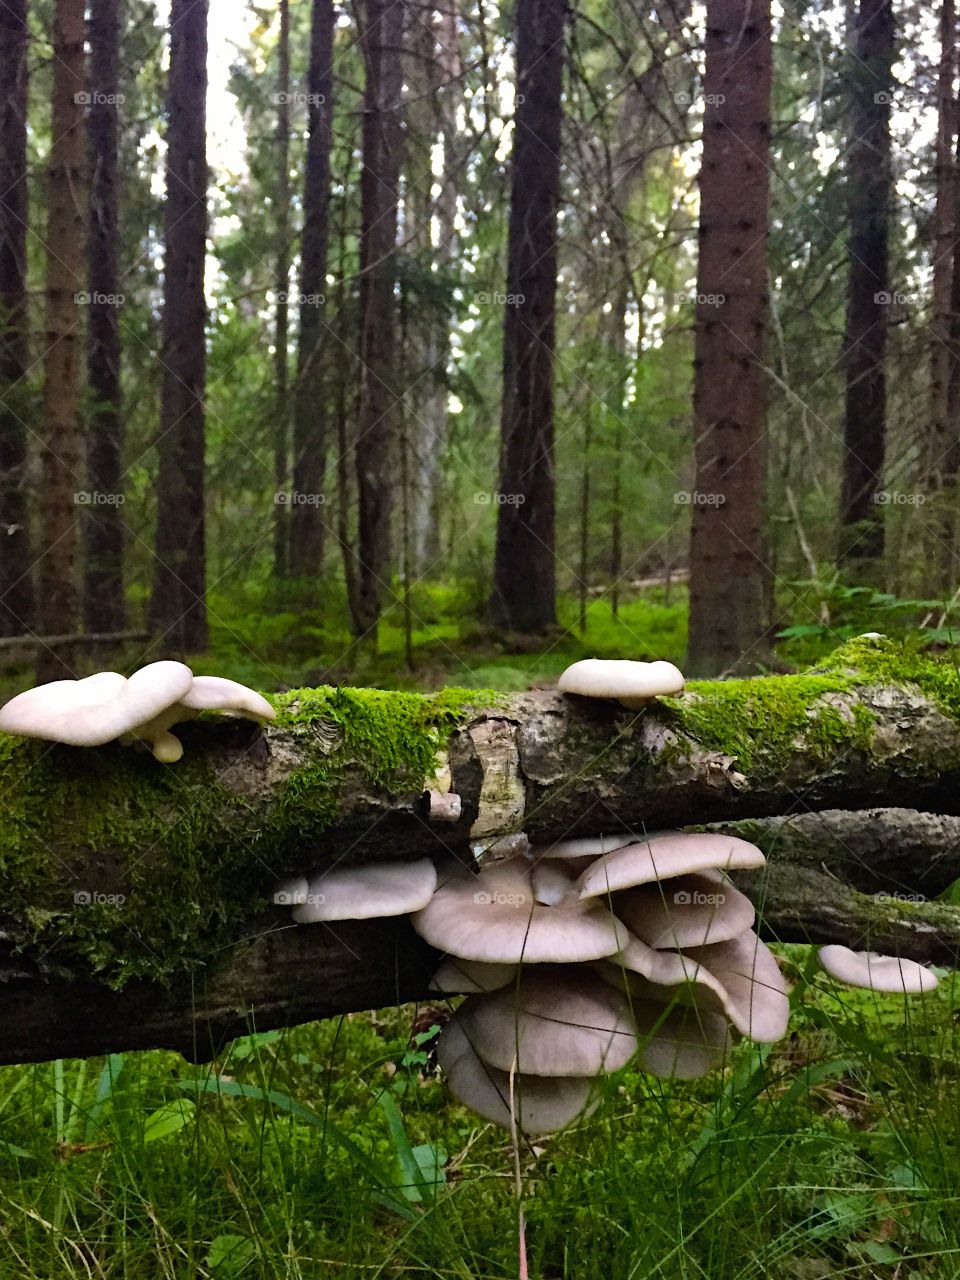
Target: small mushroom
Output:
[(663, 856), (542, 1104), (467, 977), (493, 916), (687, 911), (363, 893), (556, 1021), (552, 882), (892, 974), (633, 684)]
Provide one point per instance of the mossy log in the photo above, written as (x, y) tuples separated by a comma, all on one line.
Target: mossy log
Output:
[(136, 905)]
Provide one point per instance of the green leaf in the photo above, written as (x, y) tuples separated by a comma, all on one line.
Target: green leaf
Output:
[(229, 1253), (169, 1119)]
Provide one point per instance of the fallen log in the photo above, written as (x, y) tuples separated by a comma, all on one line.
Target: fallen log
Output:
[(136, 899)]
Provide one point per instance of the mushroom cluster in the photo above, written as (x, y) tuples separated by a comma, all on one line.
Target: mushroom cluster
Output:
[(109, 707)]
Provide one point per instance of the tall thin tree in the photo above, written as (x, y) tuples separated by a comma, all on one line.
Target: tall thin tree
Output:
[(727, 572), (524, 573), (310, 403), (375, 447), (869, 190), (103, 602), (178, 604), (58, 606), (281, 442), (16, 595)]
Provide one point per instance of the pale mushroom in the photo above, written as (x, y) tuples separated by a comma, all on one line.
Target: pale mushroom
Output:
[(687, 911), (664, 855), (680, 1043), (552, 882), (755, 993), (493, 917), (556, 1021), (206, 693), (542, 1104), (466, 977), (891, 974), (584, 846), (633, 684), (367, 892)]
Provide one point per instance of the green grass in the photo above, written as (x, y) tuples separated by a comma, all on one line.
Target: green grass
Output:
[(313, 1153)]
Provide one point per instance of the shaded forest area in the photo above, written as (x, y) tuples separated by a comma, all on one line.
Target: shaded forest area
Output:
[(474, 330)]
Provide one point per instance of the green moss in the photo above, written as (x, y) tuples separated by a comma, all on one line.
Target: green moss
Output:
[(137, 869)]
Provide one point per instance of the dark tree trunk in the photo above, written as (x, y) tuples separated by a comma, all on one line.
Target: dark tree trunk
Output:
[(178, 607), (104, 608), (310, 403), (869, 181), (281, 441), (16, 595), (379, 389), (727, 573), (524, 573), (62, 451)]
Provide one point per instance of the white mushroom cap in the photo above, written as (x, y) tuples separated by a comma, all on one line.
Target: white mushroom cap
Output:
[(682, 1043), (541, 1104), (687, 911), (553, 882), (632, 683), (493, 917), (215, 693), (662, 856), (363, 893), (557, 1021), (97, 709), (584, 846), (755, 993), (876, 972), (664, 976), (466, 977)]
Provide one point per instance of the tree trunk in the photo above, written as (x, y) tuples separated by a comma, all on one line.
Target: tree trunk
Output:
[(379, 387), (122, 928), (178, 609), (524, 572), (104, 608), (310, 405), (16, 593), (869, 182), (62, 448), (281, 442), (727, 573)]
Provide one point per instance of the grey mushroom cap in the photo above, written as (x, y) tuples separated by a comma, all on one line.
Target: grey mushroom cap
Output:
[(894, 975), (686, 911), (467, 977), (541, 1104), (493, 916), (664, 855), (367, 892), (584, 846), (681, 1043), (556, 1021), (755, 998)]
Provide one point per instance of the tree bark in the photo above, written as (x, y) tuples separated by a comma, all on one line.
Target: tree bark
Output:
[(16, 584), (380, 393), (311, 396), (727, 561), (104, 607), (178, 605), (62, 447), (281, 438), (869, 182), (137, 897), (524, 574)]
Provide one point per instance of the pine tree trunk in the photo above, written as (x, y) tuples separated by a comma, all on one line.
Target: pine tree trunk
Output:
[(380, 392), (524, 574), (869, 180), (104, 608), (281, 442), (62, 449), (726, 544), (16, 594), (310, 406), (178, 607)]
